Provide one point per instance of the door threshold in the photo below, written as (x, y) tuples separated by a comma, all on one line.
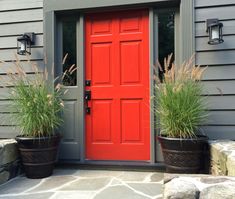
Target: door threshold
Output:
[(112, 165)]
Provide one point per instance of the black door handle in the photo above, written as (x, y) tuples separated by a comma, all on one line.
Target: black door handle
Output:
[(87, 98), (87, 95)]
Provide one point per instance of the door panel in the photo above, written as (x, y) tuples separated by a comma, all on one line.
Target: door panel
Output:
[(117, 63), (101, 121), (130, 62), (131, 121), (69, 146), (104, 51)]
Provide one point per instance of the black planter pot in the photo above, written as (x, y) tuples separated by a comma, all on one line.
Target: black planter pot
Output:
[(38, 155), (183, 155)]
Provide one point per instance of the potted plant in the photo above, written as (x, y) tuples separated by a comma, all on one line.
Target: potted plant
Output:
[(37, 105), (180, 110)]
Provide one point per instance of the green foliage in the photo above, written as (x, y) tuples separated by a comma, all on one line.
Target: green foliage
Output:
[(179, 106), (37, 103), (37, 106)]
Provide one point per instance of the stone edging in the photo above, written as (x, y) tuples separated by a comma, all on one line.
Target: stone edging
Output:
[(198, 187), (222, 153), (9, 160)]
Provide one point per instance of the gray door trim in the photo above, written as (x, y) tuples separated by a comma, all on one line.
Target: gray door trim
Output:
[(49, 42), (158, 155), (187, 30), (151, 63), (81, 87), (74, 93), (58, 5), (186, 46)]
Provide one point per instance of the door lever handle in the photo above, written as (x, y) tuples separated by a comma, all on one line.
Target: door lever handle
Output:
[(87, 98), (87, 95)]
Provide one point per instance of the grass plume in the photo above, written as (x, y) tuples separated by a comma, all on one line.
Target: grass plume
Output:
[(180, 109), (36, 101)]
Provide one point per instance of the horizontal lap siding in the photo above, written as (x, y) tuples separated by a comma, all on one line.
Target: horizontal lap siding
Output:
[(219, 78), (7, 5), (226, 103), (221, 72), (228, 29), (206, 3), (9, 66), (16, 18), (225, 87), (9, 42)]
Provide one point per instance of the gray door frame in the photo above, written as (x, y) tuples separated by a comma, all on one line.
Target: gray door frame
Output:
[(54, 7), (73, 92)]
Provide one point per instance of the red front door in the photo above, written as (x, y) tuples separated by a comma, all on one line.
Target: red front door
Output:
[(117, 63)]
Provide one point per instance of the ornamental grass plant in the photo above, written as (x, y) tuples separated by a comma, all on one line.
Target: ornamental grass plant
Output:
[(180, 108), (35, 100)]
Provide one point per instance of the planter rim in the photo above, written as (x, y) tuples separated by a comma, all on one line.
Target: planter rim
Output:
[(198, 138), (20, 137)]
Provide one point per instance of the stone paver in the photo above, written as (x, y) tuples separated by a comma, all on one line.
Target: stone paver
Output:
[(53, 183), (18, 185), (119, 192), (147, 188), (133, 176), (73, 195), (157, 177), (86, 184), (29, 196)]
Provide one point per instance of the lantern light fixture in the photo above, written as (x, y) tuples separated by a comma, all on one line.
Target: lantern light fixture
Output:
[(214, 29), (25, 42)]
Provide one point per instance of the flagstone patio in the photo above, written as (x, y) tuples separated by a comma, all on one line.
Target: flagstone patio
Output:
[(86, 184)]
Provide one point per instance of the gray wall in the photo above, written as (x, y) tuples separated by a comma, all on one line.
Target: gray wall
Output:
[(19, 16), (220, 59), (16, 18)]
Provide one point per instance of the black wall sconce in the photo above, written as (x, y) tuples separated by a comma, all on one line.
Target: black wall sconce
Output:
[(214, 28), (25, 42)]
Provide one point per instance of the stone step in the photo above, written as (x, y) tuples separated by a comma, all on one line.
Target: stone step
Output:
[(198, 187), (9, 159), (222, 161)]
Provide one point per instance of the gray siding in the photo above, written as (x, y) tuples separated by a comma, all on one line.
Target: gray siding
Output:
[(219, 78), (16, 18), (19, 16)]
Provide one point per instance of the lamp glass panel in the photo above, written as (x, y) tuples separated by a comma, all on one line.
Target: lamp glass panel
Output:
[(215, 33), (22, 46)]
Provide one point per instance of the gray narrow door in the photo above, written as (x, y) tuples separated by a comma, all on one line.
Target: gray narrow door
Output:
[(67, 44)]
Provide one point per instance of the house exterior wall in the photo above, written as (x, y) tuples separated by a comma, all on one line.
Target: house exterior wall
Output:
[(219, 78), (16, 18)]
